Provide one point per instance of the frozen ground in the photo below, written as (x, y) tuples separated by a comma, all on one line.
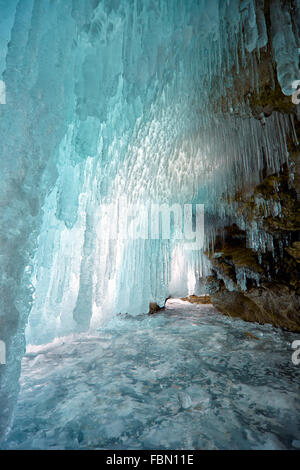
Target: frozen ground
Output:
[(185, 379)]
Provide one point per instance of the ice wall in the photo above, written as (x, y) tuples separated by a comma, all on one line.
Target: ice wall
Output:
[(114, 98)]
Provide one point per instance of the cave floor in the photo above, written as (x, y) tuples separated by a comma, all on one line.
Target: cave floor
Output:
[(187, 378)]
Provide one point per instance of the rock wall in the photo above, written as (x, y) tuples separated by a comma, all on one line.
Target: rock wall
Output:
[(256, 260)]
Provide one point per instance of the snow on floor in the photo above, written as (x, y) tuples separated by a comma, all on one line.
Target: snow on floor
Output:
[(188, 378)]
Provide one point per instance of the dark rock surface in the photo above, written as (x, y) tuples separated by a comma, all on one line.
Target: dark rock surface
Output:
[(154, 308), (273, 303), (261, 283)]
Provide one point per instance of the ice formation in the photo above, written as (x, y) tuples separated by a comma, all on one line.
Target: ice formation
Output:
[(112, 98)]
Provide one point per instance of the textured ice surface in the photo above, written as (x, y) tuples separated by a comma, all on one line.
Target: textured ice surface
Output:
[(189, 378)]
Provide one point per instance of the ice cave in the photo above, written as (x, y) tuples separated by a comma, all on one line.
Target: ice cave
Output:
[(149, 235)]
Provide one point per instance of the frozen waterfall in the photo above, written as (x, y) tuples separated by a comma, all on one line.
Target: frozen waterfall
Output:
[(112, 99)]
